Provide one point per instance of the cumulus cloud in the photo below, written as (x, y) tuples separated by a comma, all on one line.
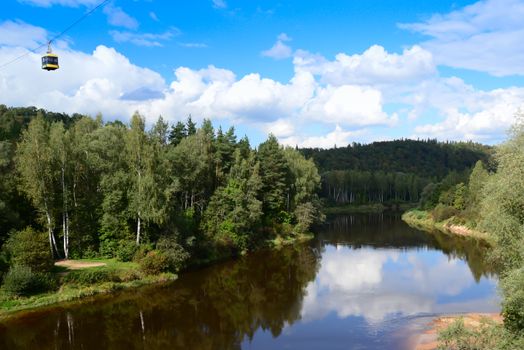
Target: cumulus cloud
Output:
[(18, 33), (374, 66), (338, 137), (486, 36), (279, 50), (367, 290), (467, 113), (325, 103)]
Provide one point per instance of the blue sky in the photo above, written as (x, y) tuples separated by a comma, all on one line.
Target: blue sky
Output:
[(314, 73)]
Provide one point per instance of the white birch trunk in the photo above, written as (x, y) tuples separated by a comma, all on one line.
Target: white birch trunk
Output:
[(138, 230)]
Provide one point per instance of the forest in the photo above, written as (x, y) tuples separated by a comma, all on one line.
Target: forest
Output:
[(391, 172), (77, 187), (490, 203)]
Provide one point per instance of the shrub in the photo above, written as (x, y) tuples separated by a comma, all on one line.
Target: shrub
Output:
[(141, 252), (443, 212), (30, 248), (22, 281), (154, 263), (108, 248), (126, 250), (87, 277), (513, 304), (176, 254)]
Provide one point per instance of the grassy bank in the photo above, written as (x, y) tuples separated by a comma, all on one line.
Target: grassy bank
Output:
[(423, 220), (81, 279), (81, 283), (367, 208)]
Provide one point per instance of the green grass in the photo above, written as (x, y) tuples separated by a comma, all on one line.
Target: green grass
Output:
[(73, 291), (423, 220)]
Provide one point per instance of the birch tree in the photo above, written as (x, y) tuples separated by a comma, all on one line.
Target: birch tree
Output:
[(34, 161)]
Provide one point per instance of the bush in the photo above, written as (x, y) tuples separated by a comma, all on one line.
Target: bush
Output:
[(487, 336), (30, 248), (22, 281), (88, 277), (513, 305), (141, 252), (443, 212), (126, 250), (176, 254), (154, 263)]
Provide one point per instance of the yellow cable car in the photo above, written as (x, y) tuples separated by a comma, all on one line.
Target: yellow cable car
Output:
[(49, 60)]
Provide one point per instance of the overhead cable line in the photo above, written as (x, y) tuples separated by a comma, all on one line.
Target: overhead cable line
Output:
[(87, 14)]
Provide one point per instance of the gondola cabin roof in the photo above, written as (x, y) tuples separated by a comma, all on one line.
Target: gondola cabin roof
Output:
[(50, 61)]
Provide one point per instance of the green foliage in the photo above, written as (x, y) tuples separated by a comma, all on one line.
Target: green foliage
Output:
[(22, 281), (176, 254), (30, 248), (126, 250), (443, 212), (426, 158), (513, 305), (154, 262), (90, 276), (487, 336), (274, 173)]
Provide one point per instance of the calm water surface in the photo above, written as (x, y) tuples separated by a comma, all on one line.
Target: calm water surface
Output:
[(362, 284)]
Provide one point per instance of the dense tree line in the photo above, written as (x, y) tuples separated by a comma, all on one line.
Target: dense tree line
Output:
[(364, 187), (390, 171), (491, 200), (96, 188)]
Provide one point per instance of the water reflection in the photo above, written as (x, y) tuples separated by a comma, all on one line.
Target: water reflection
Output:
[(357, 284)]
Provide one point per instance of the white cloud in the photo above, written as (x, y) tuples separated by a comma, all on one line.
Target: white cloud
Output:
[(323, 104), (279, 50), (486, 36), (468, 113), (355, 282), (338, 137), (281, 128), (18, 33), (374, 66), (143, 39), (221, 4), (348, 105), (118, 18)]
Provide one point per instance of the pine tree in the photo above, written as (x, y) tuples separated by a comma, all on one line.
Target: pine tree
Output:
[(177, 133), (275, 176)]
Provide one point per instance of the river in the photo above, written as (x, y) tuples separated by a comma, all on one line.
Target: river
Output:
[(364, 282)]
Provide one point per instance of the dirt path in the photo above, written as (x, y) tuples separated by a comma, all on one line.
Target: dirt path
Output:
[(428, 339), (78, 265)]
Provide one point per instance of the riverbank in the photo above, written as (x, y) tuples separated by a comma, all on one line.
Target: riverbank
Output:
[(428, 339), (367, 208), (79, 279), (83, 278), (423, 220)]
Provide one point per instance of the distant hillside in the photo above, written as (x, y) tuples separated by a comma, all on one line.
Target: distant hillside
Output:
[(426, 158)]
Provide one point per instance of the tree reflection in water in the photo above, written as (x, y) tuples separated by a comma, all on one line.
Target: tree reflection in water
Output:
[(360, 278), (210, 309)]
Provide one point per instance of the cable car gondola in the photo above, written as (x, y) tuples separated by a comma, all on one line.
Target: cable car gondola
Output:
[(49, 60)]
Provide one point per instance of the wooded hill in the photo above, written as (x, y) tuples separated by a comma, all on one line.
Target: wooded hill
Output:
[(391, 171)]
